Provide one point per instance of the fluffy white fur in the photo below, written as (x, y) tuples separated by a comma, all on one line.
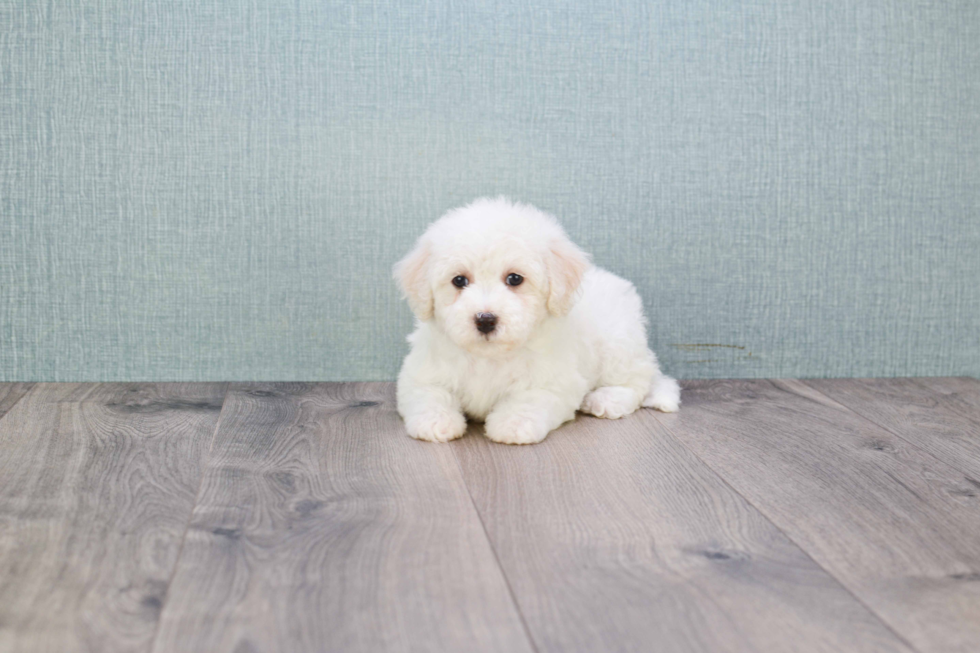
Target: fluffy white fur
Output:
[(570, 337)]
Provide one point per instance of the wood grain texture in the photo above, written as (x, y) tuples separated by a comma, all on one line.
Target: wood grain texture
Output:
[(895, 525), (939, 415), (321, 526), (616, 538), (10, 394), (97, 483)]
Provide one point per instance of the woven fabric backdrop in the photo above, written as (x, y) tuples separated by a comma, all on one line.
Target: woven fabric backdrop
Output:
[(217, 190)]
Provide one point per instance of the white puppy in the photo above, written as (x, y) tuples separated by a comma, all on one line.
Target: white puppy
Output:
[(517, 328)]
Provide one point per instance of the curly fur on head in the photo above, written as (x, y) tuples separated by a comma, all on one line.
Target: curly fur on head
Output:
[(516, 327)]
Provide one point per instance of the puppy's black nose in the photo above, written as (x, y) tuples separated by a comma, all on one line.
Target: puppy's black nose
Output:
[(485, 322)]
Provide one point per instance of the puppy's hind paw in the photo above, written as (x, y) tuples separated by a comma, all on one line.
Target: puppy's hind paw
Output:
[(665, 395), (436, 426)]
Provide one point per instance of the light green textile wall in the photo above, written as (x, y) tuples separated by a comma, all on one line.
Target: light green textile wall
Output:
[(217, 190)]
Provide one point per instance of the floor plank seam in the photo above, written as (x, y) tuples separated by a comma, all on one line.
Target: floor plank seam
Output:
[(187, 526), (496, 558), (799, 546), (27, 391), (888, 430)]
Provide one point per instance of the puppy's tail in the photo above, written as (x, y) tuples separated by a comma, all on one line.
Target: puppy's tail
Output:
[(664, 395)]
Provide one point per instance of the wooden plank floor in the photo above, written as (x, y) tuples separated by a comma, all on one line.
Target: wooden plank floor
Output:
[(832, 515)]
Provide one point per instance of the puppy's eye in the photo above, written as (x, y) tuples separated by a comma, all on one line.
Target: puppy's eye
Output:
[(461, 281), (514, 279)]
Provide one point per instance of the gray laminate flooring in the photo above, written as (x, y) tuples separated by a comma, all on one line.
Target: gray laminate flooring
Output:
[(831, 515)]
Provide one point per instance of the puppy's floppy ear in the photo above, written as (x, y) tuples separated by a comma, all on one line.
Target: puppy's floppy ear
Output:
[(566, 265), (410, 273)]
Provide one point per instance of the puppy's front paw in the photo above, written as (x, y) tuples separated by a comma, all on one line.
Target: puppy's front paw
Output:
[(436, 426), (515, 428), (610, 402)]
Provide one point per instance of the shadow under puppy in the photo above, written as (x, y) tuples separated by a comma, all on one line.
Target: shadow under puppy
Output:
[(517, 328)]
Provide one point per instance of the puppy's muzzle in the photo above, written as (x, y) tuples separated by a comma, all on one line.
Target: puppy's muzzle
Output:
[(485, 322)]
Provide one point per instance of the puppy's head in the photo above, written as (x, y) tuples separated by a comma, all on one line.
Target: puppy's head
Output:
[(489, 273)]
